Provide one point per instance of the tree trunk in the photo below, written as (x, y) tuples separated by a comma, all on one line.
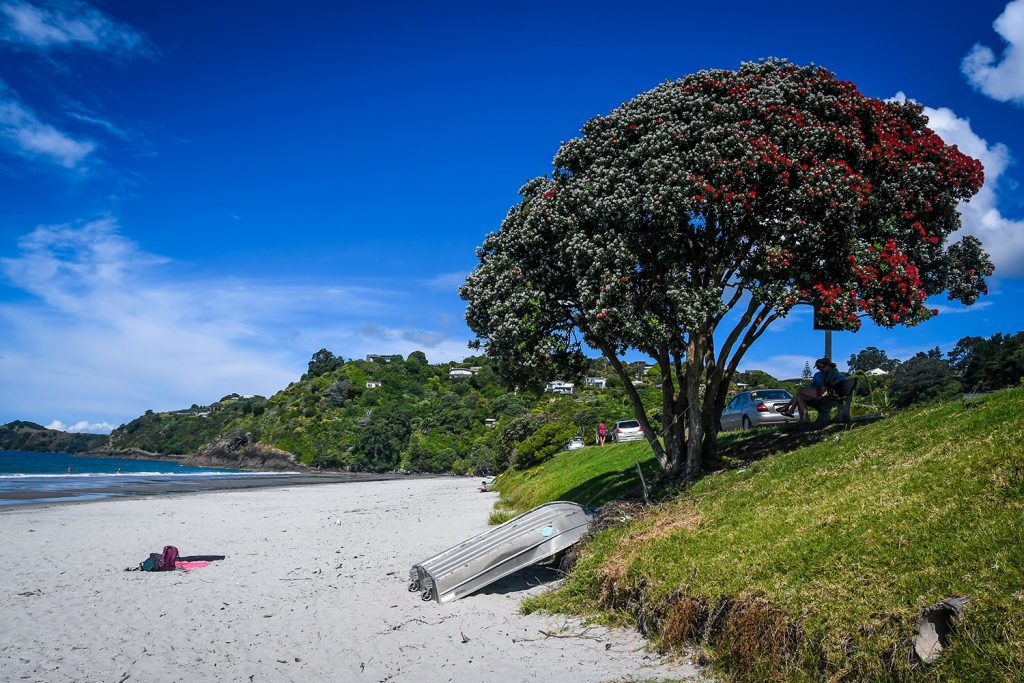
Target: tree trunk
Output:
[(664, 457), (694, 419)]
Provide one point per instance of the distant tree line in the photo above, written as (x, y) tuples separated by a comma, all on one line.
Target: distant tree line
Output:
[(976, 364)]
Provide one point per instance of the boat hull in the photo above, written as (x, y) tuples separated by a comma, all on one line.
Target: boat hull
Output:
[(494, 554)]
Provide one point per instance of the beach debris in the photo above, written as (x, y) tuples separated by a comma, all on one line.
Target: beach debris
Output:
[(465, 638), (584, 634), (935, 628)]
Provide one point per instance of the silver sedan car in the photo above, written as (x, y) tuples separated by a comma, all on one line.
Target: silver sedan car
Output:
[(627, 430), (755, 408)]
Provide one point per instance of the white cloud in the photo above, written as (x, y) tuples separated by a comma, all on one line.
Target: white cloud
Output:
[(446, 282), (111, 330), (360, 340), (67, 24), (798, 315), (82, 427), (1002, 80), (22, 133), (945, 309), (1003, 237), (101, 123)]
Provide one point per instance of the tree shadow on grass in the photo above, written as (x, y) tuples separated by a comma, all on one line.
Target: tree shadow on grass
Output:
[(736, 449), (615, 485), (739, 449)]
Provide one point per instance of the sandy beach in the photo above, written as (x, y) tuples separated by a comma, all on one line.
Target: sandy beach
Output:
[(313, 587)]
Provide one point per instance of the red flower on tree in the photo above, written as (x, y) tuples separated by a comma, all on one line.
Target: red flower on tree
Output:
[(759, 188)]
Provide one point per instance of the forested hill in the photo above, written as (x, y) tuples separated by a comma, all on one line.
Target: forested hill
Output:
[(389, 413), (29, 436)]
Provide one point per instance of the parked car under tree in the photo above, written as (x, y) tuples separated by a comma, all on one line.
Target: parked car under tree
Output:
[(756, 408)]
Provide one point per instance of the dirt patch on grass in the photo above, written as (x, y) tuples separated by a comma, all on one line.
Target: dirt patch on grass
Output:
[(748, 636), (752, 638), (614, 569), (612, 514), (684, 520)]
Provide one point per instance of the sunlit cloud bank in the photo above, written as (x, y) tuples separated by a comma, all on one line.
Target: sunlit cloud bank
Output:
[(82, 427), (1000, 78), (108, 330), (1003, 237)]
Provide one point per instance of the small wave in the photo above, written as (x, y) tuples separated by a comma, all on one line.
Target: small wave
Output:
[(76, 475)]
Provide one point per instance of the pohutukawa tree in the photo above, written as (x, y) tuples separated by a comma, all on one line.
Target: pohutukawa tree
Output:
[(687, 221)]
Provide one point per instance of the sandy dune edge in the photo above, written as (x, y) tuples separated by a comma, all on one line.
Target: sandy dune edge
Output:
[(300, 596)]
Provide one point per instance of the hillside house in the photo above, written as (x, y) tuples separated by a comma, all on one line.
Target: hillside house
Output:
[(374, 385), (457, 373), (560, 387), (597, 382)]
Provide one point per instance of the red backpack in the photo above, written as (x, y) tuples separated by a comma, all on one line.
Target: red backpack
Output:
[(159, 562)]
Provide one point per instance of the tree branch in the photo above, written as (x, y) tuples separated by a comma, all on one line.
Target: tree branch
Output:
[(736, 331), (638, 405)]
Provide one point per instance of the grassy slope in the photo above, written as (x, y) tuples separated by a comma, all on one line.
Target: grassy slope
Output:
[(589, 476), (823, 558)]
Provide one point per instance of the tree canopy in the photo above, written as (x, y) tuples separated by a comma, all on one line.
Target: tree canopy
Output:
[(689, 219), (870, 359)]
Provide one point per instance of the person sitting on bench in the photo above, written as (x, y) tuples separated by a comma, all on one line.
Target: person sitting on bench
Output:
[(825, 379)]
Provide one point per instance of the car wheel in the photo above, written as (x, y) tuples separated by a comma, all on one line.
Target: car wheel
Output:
[(746, 422)]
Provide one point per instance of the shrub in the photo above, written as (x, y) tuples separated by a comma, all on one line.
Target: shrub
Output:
[(514, 431), (924, 377), (544, 443)]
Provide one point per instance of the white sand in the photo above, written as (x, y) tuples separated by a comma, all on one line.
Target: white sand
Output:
[(299, 596)]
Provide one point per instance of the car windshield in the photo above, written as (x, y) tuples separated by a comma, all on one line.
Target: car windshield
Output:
[(627, 424), (770, 395)]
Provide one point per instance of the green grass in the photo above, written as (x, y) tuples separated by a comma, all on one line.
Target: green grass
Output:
[(588, 476), (815, 564)]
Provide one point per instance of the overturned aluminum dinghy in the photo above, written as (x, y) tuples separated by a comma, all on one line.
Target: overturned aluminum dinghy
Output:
[(479, 561)]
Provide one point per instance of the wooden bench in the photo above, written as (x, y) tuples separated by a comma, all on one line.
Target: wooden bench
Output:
[(841, 398)]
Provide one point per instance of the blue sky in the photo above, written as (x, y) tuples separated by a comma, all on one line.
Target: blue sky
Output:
[(196, 196)]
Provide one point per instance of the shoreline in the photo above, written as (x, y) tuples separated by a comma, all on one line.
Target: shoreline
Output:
[(132, 454), (132, 491), (313, 586)]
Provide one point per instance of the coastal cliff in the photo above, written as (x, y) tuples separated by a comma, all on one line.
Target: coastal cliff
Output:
[(242, 452)]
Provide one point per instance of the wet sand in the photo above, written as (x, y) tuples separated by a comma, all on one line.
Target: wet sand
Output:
[(160, 486)]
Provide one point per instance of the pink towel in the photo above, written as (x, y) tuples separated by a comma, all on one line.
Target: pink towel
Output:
[(185, 566)]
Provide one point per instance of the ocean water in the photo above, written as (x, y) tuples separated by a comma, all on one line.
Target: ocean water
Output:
[(32, 478)]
